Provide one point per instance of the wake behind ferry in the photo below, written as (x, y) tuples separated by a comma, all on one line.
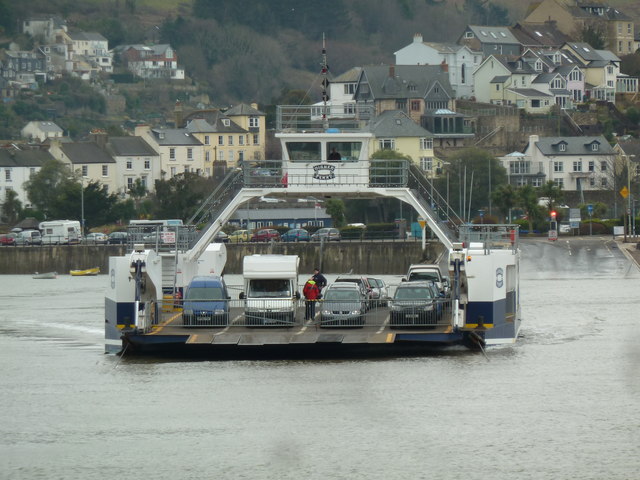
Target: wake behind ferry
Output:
[(481, 261)]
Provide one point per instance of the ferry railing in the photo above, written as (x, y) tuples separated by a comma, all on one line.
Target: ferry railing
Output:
[(491, 237), (319, 118), (233, 314), (161, 238)]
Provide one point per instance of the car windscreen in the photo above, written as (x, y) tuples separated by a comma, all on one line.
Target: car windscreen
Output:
[(426, 276), (270, 288), (342, 295), (205, 293), (413, 294)]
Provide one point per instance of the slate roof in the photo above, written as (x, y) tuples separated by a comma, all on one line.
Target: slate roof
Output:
[(213, 123), (574, 146), (243, 109), (422, 77), (85, 152), (500, 79), (12, 158), (350, 75), (174, 136), (543, 34), (585, 51), (486, 34), (129, 146), (87, 36), (395, 123), (529, 92), (47, 126)]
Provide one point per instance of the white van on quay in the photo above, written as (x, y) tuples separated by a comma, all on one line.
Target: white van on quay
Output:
[(60, 232)]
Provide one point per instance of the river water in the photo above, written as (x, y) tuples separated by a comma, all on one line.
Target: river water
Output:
[(562, 403)]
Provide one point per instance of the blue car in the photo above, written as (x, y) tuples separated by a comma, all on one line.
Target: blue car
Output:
[(296, 235), (206, 303)]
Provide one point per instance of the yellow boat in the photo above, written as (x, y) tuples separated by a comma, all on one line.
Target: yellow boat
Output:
[(84, 273)]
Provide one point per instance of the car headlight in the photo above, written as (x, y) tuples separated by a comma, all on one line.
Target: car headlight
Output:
[(355, 312), (326, 312), (395, 307)]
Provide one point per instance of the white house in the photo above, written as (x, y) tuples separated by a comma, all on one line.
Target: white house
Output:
[(341, 103), (93, 48), (461, 61), (135, 160), (37, 130), (17, 164), (180, 151)]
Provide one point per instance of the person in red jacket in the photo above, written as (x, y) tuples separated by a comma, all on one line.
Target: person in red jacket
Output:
[(311, 293)]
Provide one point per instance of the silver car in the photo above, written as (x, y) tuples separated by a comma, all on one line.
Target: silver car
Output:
[(342, 305)]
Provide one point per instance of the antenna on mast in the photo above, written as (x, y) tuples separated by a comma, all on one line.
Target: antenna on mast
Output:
[(325, 84)]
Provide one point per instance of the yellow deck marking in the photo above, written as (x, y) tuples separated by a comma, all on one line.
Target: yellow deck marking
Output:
[(158, 328), (391, 337)]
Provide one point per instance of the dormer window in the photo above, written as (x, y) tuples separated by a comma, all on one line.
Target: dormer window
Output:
[(595, 147), (538, 65), (562, 147), (226, 122), (468, 34)]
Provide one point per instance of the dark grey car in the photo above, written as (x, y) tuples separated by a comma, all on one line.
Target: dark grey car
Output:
[(342, 305)]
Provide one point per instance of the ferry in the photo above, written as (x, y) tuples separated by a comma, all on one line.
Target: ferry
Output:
[(143, 311)]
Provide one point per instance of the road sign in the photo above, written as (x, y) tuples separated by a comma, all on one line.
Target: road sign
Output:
[(624, 192), (590, 209), (421, 222), (553, 235)]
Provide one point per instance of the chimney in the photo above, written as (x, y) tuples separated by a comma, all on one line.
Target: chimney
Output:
[(141, 130), (392, 71), (178, 113), (254, 105), (533, 139), (444, 66), (100, 137), (417, 38)]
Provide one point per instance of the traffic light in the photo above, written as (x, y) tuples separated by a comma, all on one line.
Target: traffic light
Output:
[(553, 214)]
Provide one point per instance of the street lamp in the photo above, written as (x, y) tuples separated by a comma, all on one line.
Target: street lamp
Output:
[(79, 171), (630, 214)]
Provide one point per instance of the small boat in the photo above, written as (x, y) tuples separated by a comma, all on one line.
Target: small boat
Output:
[(84, 273), (45, 275)]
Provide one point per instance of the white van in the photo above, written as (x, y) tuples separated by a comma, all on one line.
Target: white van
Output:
[(60, 232)]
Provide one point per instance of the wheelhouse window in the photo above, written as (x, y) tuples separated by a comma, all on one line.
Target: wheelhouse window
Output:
[(349, 151), (304, 151)]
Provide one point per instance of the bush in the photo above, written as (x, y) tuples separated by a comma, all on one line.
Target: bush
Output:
[(597, 228)]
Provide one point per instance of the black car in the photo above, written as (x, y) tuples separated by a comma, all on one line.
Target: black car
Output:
[(117, 238), (414, 304)]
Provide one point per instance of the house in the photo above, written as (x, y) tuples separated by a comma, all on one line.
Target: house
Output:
[(490, 40), (413, 89), (92, 49), (93, 163), (24, 67), (151, 61), (253, 121), (17, 164), (341, 103), (179, 150), (522, 171), (44, 27), (40, 131), (539, 35), (574, 163), (135, 161), (601, 68), (460, 60), (395, 130), (573, 16)]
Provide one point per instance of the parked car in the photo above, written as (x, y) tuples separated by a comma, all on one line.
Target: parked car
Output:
[(343, 305), (239, 236), (8, 239), (28, 237), (379, 291), (328, 234), (221, 237), (265, 235), (363, 284), (95, 238), (414, 304), (206, 302), (117, 238), (296, 235)]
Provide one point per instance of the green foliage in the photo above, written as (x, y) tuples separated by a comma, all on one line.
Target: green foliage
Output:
[(352, 233), (180, 196), (594, 36), (380, 231), (633, 114), (599, 210), (336, 208), (505, 198), (11, 207), (47, 185)]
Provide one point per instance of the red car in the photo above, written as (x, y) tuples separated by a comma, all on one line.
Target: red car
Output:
[(265, 235), (8, 239)]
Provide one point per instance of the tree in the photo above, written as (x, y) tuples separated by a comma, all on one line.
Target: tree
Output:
[(594, 35), (11, 207), (552, 193), (46, 186), (180, 196), (528, 201), (138, 191), (505, 197), (336, 208)]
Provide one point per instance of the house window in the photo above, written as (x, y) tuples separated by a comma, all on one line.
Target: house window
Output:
[(603, 166), (207, 156), (186, 169), (349, 108), (592, 182), (230, 140), (603, 182), (241, 140), (387, 144), (147, 164), (558, 167), (206, 140), (129, 183), (85, 170), (173, 171), (535, 103), (594, 147), (401, 104), (536, 182), (241, 156), (538, 65), (226, 122), (189, 153), (497, 87), (143, 181), (254, 122), (426, 143), (172, 154), (592, 166), (559, 182), (349, 88), (129, 164), (557, 83), (7, 174), (220, 139), (231, 155), (256, 139), (426, 164), (468, 34), (562, 147), (577, 166), (105, 170), (415, 105), (221, 156), (610, 70)]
